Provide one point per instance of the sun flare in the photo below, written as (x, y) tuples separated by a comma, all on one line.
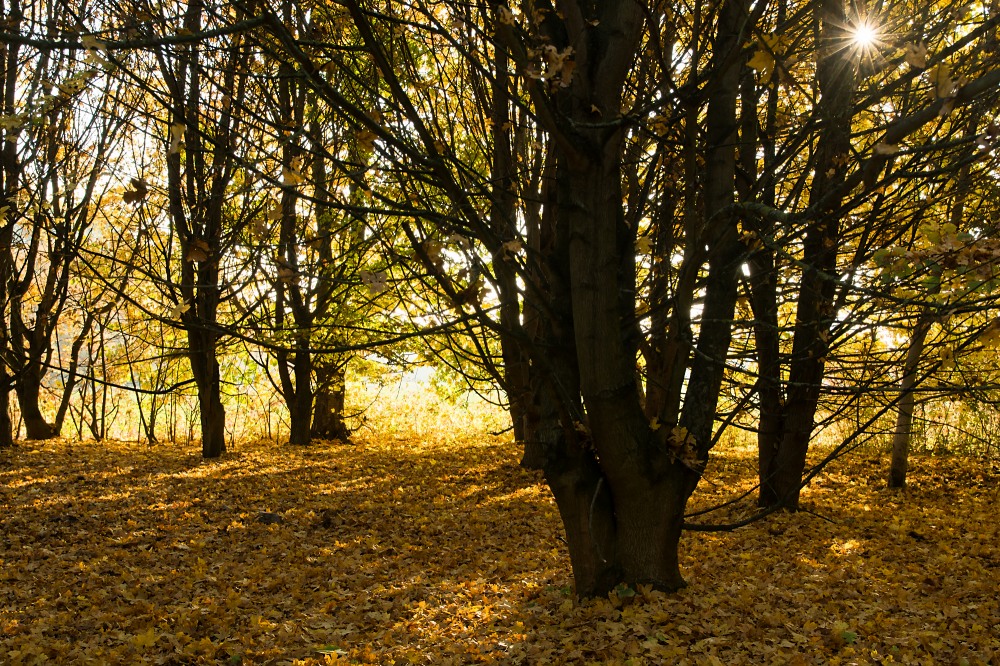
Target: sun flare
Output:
[(865, 35)]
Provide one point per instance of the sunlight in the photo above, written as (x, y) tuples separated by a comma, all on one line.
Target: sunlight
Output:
[(865, 35)]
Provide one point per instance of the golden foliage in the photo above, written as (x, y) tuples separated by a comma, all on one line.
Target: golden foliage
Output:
[(399, 551)]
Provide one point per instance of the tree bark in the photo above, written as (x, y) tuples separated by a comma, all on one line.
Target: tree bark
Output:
[(503, 223), (6, 424), (197, 188), (763, 284), (836, 74), (205, 368), (725, 251), (28, 389), (622, 504), (328, 409), (301, 405), (904, 416)]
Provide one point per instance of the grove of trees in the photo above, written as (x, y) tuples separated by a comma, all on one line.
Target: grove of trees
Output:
[(648, 225)]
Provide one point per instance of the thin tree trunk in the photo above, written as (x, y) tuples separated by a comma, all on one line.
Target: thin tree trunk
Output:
[(504, 224), (815, 307), (904, 416), (71, 371)]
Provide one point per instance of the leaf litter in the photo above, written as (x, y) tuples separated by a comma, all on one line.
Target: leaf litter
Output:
[(442, 551)]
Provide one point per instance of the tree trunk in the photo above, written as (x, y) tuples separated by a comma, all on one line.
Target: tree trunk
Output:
[(328, 409), (29, 386), (904, 417), (550, 375), (300, 407), (71, 372), (6, 424), (763, 282), (150, 424), (725, 250), (205, 368), (815, 311), (213, 424), (503, 221), (623, 507)]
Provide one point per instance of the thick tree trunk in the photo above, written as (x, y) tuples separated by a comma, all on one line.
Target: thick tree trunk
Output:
[(328, 409), (300, 404), (904, 416), (28, 395), (623, 508), (213, 424), (205, 368), (628, 537), (6, 424)]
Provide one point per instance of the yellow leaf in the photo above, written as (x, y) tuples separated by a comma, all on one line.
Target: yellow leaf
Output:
[(146, 639), (292, 174), (944, 85), (178, 310), (366, 139), (91, 42), (915, 54), (505, 16), (763, 62), (11, 122), (290, 177)]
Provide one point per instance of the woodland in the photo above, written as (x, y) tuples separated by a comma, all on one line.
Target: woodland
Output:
[(428, 331)]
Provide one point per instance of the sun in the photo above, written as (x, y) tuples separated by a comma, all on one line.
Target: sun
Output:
[(864, 35)]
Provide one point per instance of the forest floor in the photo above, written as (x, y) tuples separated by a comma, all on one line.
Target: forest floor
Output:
[(396, 550)]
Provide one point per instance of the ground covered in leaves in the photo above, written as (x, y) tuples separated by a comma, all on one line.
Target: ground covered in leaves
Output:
[(397, 550)]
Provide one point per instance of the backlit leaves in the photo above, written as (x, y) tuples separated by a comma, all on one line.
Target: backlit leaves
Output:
[(198, 250), (137, 193), (176, 138), (375, 282), (505, 16), (178, 310), (291, 174), (915, 54), (366, 139), (769, 55)]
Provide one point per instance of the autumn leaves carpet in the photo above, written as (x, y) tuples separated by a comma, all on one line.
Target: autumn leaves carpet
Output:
[(435, 551)]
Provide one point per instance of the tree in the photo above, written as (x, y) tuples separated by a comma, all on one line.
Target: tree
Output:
[(636, 218), (207, 143), (620, 481), (62, 127), (642, 148)]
